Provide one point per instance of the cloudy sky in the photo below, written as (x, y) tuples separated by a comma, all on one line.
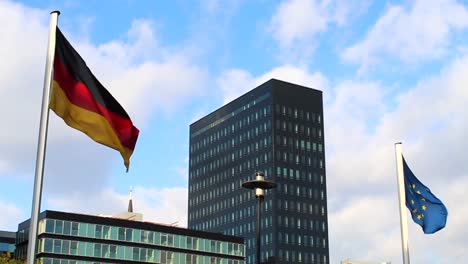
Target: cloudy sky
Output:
[(390, 71)]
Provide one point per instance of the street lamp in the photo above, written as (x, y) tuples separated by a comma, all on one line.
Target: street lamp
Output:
[(260, 185)]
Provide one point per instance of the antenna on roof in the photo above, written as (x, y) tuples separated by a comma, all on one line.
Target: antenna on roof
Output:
[(130, 202)]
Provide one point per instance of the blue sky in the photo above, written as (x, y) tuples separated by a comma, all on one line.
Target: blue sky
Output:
[(390, 71)]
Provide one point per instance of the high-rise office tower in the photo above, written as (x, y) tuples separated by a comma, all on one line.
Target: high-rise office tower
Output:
[(276, 128)]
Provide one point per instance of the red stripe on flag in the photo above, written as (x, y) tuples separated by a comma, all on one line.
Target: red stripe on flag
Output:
[(78, 94)]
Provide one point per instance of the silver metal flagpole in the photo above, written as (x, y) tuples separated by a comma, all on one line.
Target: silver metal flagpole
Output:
[(402, 200), (42, 140)]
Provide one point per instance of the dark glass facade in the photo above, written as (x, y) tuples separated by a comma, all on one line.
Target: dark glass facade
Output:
[(7, 241), (67, 238), (276, 128)]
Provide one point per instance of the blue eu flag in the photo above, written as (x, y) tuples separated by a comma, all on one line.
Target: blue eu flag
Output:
[(426, 209)]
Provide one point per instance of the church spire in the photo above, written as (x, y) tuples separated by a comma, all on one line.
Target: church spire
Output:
[(130, 202)]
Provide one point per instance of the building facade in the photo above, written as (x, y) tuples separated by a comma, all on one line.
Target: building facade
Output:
[(276, 128), (7, 241), (68, 238)]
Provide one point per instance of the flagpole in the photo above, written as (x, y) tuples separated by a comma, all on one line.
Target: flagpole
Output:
[(42, 141), (402, 201)]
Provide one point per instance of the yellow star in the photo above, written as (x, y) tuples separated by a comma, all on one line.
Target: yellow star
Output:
[(424, 207), (414, 186), (418, 192), (412, 201), (419, 217), (415, 210), (423, 199)]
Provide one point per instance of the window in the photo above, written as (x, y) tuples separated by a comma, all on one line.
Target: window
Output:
[(97, 250), (66, 227), (58, 227), (136, 254), (49, 226), (164, 239), (122, 233), (73, 247), (144, 254), (57, 246), (66, 247), (128, 234), (74, 228), (98, 231), (48, 245)]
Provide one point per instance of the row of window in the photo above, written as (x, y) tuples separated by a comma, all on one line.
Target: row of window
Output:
[(118, 252), (139, 236), (242, 139), (234, 113), (7, 247), (230, 153), (67, 261), (242, 153), (264, 254), (234, 136), (300, 207), (195, 260), (298, 144), (203, 191), (299, 190), (227, 175), (298, 113), (299, 175), (237, 227), (298, 129), (215, 216), (283, 221), (219, 218), (227, 152), (300, 159), (302, 257), (301, 240), (225, 196)]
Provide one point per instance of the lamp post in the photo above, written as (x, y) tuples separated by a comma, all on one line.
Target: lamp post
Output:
[(259, 185)]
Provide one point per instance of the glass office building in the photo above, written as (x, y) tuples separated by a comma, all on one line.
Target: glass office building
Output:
[(276, 128), (68, 238), (7, 241)]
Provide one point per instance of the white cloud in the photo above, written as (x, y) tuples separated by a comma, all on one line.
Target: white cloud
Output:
[(419, 31), (235, 82), (362, 125), (363, 120), (295, 20), (141, 74), (12, 215), (166, 206), (295, 24), (357, 229)]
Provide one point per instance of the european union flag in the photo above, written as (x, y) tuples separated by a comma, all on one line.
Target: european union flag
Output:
[(426, 209)]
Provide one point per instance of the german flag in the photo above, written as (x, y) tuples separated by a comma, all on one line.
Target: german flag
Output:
[(84, 104)]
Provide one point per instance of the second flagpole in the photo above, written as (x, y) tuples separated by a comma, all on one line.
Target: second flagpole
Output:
[(42, 140), (402, 201)]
